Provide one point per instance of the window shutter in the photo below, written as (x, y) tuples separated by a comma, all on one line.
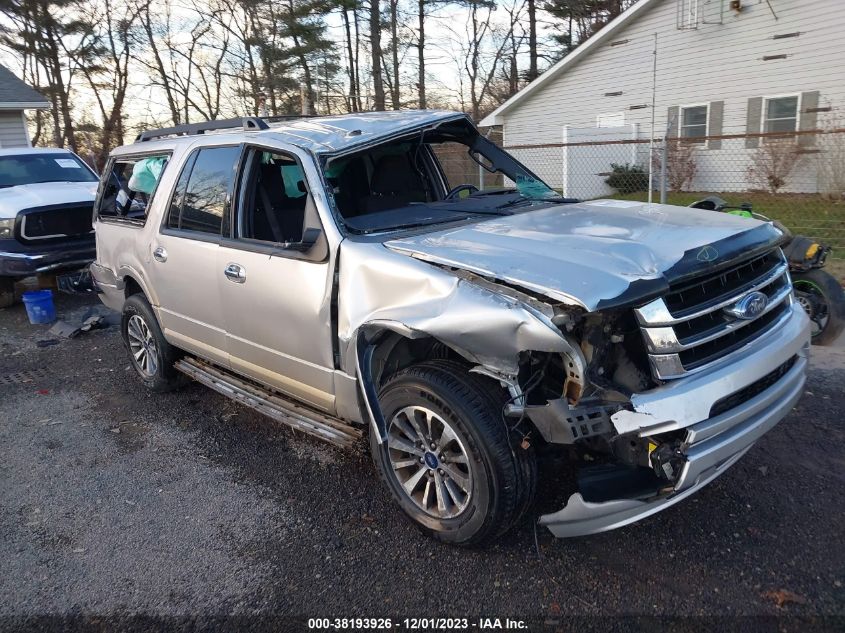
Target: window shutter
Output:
[(715, 113), (808, 118), (672, 122), (752, 121)]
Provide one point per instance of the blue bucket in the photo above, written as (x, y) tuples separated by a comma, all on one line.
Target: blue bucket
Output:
[(39, 306)]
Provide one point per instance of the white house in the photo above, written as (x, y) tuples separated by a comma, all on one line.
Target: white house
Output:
[(15, 98), (725, 72)]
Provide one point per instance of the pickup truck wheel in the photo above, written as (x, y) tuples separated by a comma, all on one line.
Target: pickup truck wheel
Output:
[(150, 354), (448, 459), (7, 292)]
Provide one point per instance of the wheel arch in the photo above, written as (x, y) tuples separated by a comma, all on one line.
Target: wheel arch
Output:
[(133, 283), (384, 348)]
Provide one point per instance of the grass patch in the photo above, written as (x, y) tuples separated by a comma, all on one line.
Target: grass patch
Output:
[(803, 214)]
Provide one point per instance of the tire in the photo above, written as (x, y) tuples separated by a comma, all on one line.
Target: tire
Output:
[(7, 292), (819, 290), (150, 354), (492, 479)]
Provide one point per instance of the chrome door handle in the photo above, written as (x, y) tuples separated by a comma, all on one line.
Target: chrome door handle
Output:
[(159, 254), (236, 273)]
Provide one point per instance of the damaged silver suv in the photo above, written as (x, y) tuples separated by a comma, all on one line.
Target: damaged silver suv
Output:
[(327, 273)]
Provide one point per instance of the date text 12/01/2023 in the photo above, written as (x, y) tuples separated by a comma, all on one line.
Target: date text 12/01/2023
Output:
[(416, 624)]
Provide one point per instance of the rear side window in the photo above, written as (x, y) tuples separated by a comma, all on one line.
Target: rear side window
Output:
[(200, 201), (129, 187)]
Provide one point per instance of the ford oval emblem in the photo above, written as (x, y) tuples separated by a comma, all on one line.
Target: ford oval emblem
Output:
[(749, 307)]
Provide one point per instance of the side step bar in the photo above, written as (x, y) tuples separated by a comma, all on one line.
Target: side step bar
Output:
[(269, 403)]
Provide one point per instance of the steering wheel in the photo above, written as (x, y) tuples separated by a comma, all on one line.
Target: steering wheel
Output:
[(455, 192)]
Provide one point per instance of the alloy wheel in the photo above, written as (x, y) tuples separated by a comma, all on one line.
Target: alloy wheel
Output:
[(142, 345), (430, 462)]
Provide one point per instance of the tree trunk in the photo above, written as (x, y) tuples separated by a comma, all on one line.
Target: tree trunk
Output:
[(421, 53), (532, 41), (394, 37), (352, 101), (376, 54)]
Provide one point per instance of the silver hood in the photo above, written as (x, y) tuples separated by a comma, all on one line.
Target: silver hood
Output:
[(598, 254)]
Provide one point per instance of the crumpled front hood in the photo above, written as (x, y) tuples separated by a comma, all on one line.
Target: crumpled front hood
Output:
[(42, 194), (598, 254)]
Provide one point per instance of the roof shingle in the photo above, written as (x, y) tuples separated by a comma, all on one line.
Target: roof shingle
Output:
[(14, 91)]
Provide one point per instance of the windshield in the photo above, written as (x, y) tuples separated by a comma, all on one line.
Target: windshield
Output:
[(27, 169), (442, 174)]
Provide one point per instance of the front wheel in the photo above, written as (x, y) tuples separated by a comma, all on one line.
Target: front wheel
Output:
[(823, 299), (448, 460)]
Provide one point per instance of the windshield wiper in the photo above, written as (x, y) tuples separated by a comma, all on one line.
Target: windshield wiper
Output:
[(415, 225)]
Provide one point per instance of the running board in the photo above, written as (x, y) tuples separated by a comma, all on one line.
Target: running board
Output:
[(270, 403)]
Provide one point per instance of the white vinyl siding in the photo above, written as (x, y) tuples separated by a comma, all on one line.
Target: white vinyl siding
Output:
[(12, 130), (714, 62)]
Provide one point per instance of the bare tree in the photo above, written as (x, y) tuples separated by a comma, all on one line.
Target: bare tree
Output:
[(59, 42), (376, 55), (772, 163), (479, 51), (109, 80)]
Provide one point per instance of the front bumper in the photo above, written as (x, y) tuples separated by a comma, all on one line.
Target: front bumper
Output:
[(18, 260), (712, 444)]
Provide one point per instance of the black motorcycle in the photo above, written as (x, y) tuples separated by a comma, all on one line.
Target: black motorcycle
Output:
[(818, 292)]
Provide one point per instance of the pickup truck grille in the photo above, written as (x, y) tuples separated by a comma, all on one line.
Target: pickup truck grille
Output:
[(690, 328), (56, 222)]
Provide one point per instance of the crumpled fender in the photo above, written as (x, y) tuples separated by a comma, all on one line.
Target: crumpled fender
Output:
[(383, 290), (415, 299)]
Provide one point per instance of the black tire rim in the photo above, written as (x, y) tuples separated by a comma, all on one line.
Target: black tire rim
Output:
[(812, 299)]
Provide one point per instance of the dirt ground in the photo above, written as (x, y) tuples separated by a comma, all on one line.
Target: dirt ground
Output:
[(121, 509)]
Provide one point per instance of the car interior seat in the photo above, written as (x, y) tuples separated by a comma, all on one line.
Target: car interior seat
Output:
[(395, 184), (280, 217)]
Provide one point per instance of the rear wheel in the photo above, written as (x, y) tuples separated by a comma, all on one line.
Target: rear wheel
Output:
[(7, 292), (448, 460), (151, 355), (823, 299)]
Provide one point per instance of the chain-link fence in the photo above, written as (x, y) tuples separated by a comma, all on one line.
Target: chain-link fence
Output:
[(798, 179)]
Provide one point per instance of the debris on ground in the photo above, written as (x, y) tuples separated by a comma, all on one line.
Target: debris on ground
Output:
[(783, 596), (94, 318)]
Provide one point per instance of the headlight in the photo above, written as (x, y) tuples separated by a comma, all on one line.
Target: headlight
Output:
[(7, 229)]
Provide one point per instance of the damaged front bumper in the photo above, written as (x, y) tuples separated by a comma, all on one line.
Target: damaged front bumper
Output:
[(19, 260), (714, 442)]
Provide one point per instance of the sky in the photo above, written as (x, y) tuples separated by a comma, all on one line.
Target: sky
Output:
[(146, 105)]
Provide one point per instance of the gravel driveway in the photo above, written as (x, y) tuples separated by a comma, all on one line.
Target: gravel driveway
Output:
[(116, 504)]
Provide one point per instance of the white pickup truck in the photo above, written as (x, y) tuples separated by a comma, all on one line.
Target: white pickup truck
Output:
[(46, 208)]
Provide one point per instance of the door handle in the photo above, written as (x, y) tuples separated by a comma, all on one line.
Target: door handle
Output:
[(236, 273), (159, 254)]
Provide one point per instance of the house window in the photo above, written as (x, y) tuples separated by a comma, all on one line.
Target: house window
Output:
[(780, 114), (694, 123)]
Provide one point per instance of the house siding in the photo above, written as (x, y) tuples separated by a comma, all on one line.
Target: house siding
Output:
[(713, 63), (12, 130)]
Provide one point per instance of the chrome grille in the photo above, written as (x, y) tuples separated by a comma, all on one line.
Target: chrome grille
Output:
[(689, 328)]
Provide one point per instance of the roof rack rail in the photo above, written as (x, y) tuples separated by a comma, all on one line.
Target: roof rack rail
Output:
[(246, 123)]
